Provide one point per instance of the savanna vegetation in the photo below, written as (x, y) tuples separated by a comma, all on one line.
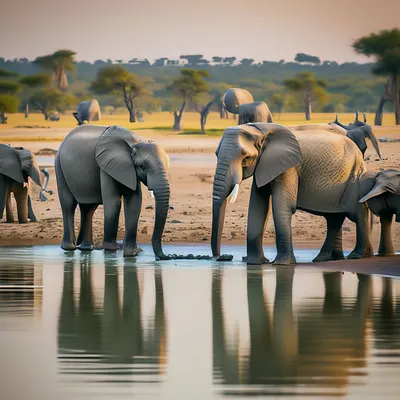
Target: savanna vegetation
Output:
[(57, 82)]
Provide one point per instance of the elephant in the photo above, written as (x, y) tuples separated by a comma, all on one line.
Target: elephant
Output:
[(303, 169), (17, 164), (358, 131), (383, 200), (241, 102), (88, 110), (99, 165)]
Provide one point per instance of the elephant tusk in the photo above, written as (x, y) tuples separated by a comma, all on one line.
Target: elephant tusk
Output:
[(234, 194), (151, 193)]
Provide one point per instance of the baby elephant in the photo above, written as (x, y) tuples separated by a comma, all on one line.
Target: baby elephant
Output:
[(384, 201), (17, 165)]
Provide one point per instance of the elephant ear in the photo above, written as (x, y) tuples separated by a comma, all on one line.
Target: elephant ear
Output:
[(386, 181), (10, 163), (114, 155), (29, 165), (280, 151)]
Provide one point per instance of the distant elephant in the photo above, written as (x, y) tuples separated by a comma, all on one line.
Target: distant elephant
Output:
[(358, 131), (241, 102), (303, 169), (88, 110), (383, 199), (98, 165), (16, 166)]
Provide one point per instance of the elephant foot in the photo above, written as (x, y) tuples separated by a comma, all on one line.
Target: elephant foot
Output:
[(111, 246), (384, 254), (133, 251), (85, 247), (251, 260), (68, 246), (34, 220), (333, 256), (285, 259), (23, 221), (356, 254)]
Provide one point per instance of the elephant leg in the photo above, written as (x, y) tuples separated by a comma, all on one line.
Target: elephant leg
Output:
[(259, 211), (9, 210), (132, 207), (85, 238), (68, 206), (284, 203), (332, 247), (386, 244), (21, 197), (31, 214), (112, 208), (363, 247)]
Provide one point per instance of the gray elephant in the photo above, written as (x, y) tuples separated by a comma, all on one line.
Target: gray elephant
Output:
[(303, 169), (88, 110), (358, 131), (17, 165), (99, 165), (241, 102), (383, 199)]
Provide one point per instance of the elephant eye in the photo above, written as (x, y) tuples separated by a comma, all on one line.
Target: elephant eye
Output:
[(142, 167)]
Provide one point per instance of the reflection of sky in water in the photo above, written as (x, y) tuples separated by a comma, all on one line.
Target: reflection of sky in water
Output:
[(94, 325)]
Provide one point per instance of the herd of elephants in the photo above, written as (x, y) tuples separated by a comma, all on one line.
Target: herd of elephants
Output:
[(319, 169)]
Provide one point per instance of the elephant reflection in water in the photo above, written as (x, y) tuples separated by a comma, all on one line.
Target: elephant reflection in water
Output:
[(386, 320), (324, 345), (114, 335)]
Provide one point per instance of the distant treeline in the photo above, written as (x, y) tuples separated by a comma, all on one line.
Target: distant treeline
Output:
[(350, 86)]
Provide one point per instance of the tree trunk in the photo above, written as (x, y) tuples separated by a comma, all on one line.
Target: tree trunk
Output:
[(178, 117), (26, 110), (396, 98), (379, 111), (46, 116), (308, 111), (203, 120), (132, 116), (177, 121)]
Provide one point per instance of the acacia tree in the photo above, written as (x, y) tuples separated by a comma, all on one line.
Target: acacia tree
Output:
[(46, 100), (8, 88), (312, 89), (187, 86), (385, 48), (34, 81), (59, 63), (118, 81), (203, 105)]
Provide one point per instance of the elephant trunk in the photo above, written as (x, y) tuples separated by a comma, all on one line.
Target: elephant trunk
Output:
[(161, 192), (226, 180), (374, 141), (45, 184)]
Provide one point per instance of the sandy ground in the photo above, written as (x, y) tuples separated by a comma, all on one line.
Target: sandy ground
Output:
[(191, 192)]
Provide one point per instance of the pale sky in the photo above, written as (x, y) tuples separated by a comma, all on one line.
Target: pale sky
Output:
[(259, 29)]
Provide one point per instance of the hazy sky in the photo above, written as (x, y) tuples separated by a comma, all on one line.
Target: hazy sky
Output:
[(259, 29)]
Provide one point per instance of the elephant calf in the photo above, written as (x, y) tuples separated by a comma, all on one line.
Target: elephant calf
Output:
[(16, 166), (99, 165)]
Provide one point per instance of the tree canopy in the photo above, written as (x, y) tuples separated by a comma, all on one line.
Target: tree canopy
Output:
[(119, 81)]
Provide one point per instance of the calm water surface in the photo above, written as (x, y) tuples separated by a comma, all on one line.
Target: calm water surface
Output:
[(82, 326)]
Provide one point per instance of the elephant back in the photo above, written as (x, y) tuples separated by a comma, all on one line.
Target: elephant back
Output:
[(331, 164), (10, 163), (76, 156)]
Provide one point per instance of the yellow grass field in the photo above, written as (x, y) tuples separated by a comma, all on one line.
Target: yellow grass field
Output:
[(163, 121)]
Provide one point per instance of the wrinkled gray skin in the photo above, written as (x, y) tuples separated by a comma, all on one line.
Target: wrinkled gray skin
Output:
[(88, 110), (358, 131), (99, 165), (241, 102), (380, 191), (17, 165), (383, 199), (295, 170)]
